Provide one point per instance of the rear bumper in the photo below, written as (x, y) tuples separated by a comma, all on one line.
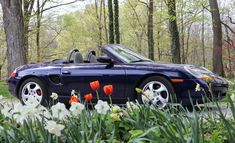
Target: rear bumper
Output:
[(12, 85)]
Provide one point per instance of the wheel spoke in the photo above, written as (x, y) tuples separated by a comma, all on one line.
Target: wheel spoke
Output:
[(163, 100), (28, 87), (37, 87), (162, 88), (151, 87)]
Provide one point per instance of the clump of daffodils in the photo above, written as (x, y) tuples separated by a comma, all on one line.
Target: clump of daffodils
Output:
[(116, 113)]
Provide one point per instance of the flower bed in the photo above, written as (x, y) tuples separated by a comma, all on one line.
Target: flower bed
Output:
[(105, 122)]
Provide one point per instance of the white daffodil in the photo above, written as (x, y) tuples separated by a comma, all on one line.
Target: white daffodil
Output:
[(131, 105), (54, 128), (1, 97), (233, 97), (116, 109), (149, 94), (6, 111), (198, 87), (73, 92), (76, 108), (19, 113), (102, 107), (44, 112), (59, 111), (54, 96)]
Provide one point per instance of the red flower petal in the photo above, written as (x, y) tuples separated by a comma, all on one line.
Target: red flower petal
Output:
[(73, 99), (108, 89), (88, 97), (95, 85)]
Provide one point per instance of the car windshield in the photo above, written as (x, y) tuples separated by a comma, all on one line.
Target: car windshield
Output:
[(126, 54)]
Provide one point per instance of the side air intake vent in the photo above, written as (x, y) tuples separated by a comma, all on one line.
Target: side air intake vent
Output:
[(55, 79)]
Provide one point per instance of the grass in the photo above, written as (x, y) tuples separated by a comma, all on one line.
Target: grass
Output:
[(4, 89)]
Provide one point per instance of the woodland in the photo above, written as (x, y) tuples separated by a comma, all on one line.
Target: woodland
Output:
[(198, 32)]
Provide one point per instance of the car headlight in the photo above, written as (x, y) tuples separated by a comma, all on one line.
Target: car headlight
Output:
[(200, 72)]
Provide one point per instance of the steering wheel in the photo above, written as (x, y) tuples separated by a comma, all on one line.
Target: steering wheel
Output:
[(71, 52)]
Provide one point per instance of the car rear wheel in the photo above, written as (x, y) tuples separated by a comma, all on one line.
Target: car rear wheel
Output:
[(157, 91), (33, 87)]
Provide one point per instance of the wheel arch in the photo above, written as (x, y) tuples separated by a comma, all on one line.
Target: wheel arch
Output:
[(150, 75)]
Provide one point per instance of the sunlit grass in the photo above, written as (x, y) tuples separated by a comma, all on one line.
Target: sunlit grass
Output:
[(4, 89)]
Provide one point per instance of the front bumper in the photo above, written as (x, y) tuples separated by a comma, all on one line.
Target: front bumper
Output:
[(216, 90)]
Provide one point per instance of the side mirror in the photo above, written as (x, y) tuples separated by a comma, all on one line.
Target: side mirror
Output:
[(104, 59)]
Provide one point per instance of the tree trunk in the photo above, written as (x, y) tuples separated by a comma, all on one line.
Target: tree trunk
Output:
[(38, 32), (99, 19), (111, 30), (158, 45), (14, 29), (203, 39), (27, 11), (116, 21), (175, 43), (217, 38), (0, 72), (105, 22), (150, 31), (187, 43), (182, 33), (139, 37)]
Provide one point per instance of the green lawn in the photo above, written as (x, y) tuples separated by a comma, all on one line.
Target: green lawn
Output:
[(4, 89)]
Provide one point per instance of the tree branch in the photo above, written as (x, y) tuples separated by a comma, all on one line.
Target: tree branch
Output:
[(230, 29), (63, 4), (231, 20), (143, 3)]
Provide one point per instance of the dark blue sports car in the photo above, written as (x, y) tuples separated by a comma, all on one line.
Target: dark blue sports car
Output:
[(122, 68)]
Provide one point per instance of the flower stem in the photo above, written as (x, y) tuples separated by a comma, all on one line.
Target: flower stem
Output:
[(100, 127), (110, 100), (97, 94)]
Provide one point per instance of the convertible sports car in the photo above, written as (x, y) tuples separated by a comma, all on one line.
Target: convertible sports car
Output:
[(122, 68)]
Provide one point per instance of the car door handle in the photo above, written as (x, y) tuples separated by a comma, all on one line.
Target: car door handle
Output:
[(66, 72)]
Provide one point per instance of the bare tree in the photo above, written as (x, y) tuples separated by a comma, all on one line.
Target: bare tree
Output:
[(116, 21), (14, 29), (173, 28), (150, 30), (111, 25), (217, 38)]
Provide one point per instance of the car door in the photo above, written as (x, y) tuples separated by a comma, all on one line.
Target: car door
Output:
[(79, 76)]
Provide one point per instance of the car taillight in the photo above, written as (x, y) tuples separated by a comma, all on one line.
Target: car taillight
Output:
[(14, 73)]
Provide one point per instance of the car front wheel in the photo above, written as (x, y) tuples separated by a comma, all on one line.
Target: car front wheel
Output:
[(33, 87), (156, 91)]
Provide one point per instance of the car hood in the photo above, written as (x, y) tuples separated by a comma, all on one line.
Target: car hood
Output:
[(163, 65)]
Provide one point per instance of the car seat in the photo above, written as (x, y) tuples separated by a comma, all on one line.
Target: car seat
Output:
[(91, 57), (78, 58)]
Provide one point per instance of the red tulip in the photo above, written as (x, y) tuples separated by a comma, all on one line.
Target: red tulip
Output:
[(88, 97), (108, 89), (95, 85), (73, 99)]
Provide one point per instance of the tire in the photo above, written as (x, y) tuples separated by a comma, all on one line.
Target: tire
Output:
[(161, 94), (33, 87)]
